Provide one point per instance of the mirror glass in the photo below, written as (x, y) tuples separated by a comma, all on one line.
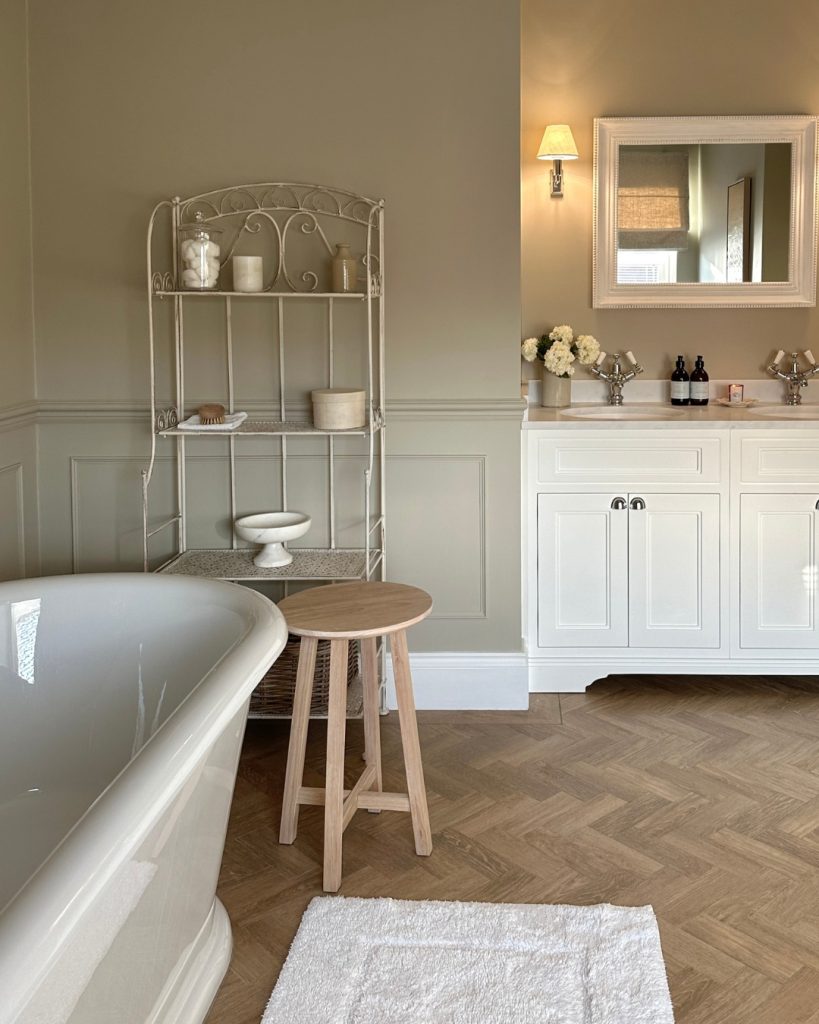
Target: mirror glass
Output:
[(711, 213)]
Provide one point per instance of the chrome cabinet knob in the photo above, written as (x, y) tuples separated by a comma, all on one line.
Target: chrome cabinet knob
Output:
[(620, 503), (637, 504)]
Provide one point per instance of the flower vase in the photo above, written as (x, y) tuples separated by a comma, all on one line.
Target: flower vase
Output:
[(555, 392)]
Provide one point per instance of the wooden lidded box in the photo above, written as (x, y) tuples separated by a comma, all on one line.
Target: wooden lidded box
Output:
[(338, 408)]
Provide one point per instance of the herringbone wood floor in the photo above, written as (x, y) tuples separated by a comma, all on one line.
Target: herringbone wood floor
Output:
[(699, 797)]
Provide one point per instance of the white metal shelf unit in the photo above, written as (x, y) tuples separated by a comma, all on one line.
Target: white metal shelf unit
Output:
[(286, 218)]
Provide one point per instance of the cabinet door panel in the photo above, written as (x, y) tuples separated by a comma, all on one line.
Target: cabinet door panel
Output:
[(582, 566), (674, 571), (779, 537)]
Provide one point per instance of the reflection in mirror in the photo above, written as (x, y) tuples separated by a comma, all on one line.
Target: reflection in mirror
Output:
[(711, 213)]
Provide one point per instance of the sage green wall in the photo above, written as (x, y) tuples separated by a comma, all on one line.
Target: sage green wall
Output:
[(16, 339), (18, 454), (594, 58), (418, 103), (133, 102)]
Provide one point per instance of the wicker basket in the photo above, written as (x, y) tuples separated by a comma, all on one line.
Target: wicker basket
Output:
[(274, 694)]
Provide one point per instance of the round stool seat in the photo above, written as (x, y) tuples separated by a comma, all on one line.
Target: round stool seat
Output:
[(353, 610)]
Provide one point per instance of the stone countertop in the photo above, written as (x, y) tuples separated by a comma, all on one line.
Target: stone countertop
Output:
[(657, 414)]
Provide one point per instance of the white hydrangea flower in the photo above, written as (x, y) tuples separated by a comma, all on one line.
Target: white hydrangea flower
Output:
[(588, 349), (562, 333), (558, 359), (529, 349)]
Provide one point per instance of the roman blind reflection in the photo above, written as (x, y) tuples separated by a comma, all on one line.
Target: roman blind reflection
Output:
[(652, 198)]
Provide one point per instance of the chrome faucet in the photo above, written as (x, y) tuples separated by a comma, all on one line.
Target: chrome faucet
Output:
[(795, 378), (615, 378)]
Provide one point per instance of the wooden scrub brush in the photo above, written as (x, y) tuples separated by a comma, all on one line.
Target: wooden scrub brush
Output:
[(212, 413)]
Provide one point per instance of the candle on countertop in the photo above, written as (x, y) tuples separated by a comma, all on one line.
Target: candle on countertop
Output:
[(736, 392), (247, 273)]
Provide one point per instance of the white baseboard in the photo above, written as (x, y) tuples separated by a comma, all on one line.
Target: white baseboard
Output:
[(466, 682), (575, 675)]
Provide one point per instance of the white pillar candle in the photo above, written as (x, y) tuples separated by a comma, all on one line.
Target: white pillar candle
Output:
[(247, 274)]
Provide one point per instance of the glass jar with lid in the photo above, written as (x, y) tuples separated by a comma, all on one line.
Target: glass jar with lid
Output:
[(199, 251)]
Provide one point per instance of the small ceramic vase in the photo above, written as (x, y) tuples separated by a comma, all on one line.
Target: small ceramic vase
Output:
[(345, 269), (555, 392)]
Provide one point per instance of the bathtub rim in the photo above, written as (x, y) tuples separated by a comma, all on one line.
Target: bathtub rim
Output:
[(36, 922)]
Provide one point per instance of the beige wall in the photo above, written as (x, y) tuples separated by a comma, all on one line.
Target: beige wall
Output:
[(16, 339), (419, 103), (595, 58)]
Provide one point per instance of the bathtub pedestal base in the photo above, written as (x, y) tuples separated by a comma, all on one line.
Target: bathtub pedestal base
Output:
[(195, 980)]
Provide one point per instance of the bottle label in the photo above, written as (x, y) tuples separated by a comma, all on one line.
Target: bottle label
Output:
[(679, 389), (699, 390)]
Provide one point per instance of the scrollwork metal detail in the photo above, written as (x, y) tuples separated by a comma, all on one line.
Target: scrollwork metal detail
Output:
[(166, 419), (162, 282), (280, 196), (279, 209)]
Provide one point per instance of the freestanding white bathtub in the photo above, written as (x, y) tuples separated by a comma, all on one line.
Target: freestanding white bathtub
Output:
[(122, 708)]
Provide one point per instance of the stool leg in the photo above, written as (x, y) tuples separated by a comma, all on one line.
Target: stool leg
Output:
[(372, 724), (334, 782), (298, 739), (409, 741)]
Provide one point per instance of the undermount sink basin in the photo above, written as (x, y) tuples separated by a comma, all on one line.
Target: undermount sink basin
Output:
[(622, 412), (786, 412)]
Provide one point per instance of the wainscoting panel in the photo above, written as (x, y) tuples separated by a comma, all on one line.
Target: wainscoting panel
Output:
[(102, 485), (12, 523), (437, 529), (453, 507), (19, 528)]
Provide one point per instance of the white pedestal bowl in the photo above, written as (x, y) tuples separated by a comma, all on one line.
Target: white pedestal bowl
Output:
[(272, 530)]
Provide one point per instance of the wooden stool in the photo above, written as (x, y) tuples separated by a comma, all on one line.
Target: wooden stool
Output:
[(340, 613)]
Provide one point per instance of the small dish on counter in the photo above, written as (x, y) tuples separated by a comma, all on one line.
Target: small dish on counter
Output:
[(745, 403)]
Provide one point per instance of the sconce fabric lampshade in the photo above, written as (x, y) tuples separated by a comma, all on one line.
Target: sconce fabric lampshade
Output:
[(557, 143)]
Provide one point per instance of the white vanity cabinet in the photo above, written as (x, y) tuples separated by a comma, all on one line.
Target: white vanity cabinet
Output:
[(582, 571), (628, 570), (779, 536), (664, 550), (777, 519), (674, 559)]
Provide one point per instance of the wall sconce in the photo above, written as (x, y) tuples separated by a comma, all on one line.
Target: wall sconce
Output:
[(557, 144)]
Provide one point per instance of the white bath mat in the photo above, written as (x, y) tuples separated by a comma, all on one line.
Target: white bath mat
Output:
[(381, 961)]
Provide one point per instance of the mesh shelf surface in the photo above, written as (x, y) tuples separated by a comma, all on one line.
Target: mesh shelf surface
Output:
[(263, 427), (307, 564)]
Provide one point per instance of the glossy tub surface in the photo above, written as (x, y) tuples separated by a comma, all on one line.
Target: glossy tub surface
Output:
[(123, 701)]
